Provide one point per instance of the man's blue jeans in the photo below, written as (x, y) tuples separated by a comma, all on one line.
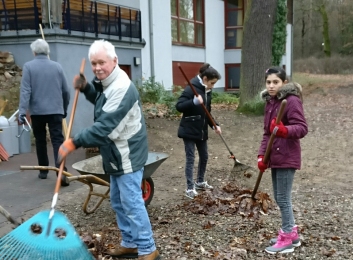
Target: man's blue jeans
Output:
[(132, 218), (282, 181)]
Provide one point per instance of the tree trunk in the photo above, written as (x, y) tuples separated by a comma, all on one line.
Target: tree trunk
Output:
[(325, 32), (256, 55)]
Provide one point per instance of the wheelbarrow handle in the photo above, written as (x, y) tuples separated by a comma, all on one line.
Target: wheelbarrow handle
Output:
[(7, 215), (269, 146)]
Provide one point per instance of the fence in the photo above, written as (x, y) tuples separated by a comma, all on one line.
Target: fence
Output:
[(77, 15)]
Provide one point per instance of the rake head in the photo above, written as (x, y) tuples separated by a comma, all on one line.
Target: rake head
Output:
[(29, 241), (240, 167)]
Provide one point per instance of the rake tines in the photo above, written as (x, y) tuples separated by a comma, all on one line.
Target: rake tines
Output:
[(29, 241)]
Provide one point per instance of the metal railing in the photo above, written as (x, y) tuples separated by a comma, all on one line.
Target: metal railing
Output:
[(77, 15)]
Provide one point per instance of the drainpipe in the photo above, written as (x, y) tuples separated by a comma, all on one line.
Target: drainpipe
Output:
[(49, 15), (150, 18)]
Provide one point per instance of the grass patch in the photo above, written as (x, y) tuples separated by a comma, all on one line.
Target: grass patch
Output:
[(224, 98), (253, 107)]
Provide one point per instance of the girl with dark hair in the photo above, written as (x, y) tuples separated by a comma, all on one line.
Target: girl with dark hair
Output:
[(193, 126), (285, 156)]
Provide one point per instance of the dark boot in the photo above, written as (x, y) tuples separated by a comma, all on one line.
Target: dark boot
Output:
[(123, 252), (42, 175)]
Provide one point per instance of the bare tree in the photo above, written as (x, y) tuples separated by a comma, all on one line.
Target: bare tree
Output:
[(257, 47)]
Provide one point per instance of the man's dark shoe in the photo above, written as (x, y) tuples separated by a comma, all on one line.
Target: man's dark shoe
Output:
[(153, 256), (123, 252), (42, 175)]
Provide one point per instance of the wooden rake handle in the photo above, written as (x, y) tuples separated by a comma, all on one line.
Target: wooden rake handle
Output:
[(269, 146), (77, 92)]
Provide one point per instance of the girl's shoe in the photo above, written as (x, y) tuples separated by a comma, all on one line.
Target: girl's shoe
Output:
[(191, 193), (283, 244), (203, 186), (294, 236)]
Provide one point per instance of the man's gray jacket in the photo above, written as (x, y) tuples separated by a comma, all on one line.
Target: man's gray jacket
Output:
[(44, 89)]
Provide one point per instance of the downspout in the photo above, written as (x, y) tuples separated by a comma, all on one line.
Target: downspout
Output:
[(49, 15), (150, 18)]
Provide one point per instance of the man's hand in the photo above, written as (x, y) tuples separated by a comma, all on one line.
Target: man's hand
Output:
[(80, 82), (22, 119), (278, 129), (67, 147), (260, 163)]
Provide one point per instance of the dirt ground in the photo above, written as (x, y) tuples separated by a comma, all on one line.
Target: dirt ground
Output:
[(322, 192)]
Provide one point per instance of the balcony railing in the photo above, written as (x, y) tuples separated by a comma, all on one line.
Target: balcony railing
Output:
[(77, 15)]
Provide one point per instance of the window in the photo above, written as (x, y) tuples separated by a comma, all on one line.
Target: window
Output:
[(234, 18), (188, 22), (232, 77)]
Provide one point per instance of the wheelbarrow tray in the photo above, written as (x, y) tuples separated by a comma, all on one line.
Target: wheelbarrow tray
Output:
[(94, 165)]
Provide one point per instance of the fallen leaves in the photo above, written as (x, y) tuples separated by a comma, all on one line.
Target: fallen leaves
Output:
[(229, 200)]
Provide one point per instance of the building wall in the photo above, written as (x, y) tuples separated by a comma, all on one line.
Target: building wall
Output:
[(214, 52), (164, 53)]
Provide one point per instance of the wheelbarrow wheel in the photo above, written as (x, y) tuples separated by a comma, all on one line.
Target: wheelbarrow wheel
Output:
[(147, 190)]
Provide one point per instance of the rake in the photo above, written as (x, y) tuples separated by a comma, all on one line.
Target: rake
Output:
[(269, 146), (48, 235)]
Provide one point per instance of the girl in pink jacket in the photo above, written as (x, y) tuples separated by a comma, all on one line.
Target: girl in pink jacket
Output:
[(285, 156)]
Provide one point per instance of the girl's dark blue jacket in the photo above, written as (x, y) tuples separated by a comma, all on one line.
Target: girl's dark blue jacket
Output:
[(193, 124)]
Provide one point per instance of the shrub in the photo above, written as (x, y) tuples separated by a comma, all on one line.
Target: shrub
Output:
[(224, 98), (160, 102), (255, 106), (150, 90)]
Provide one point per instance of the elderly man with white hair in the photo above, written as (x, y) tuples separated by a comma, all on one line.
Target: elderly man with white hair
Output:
[(119, 131), (45, 93)]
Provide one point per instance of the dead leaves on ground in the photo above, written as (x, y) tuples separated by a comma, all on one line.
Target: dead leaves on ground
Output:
[(229, 200)]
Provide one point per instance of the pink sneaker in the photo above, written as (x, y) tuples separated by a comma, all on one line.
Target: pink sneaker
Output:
[(294, 235), (283, 244)]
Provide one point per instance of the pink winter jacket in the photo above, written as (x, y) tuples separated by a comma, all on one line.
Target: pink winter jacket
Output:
[(285, 152)]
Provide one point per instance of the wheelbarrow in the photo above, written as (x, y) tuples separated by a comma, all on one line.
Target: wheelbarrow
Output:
[(92, 173)]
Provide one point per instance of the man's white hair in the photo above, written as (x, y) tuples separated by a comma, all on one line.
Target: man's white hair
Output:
[(102, 44), (40, 46)]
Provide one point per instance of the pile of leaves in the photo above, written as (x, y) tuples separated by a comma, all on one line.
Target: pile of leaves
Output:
[(226, 201), (230, 200)]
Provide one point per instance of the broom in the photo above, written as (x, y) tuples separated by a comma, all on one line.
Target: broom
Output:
[(37, 239)]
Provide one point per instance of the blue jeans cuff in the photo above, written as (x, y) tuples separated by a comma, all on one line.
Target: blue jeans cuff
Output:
[(146, 251), (128, 244)]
